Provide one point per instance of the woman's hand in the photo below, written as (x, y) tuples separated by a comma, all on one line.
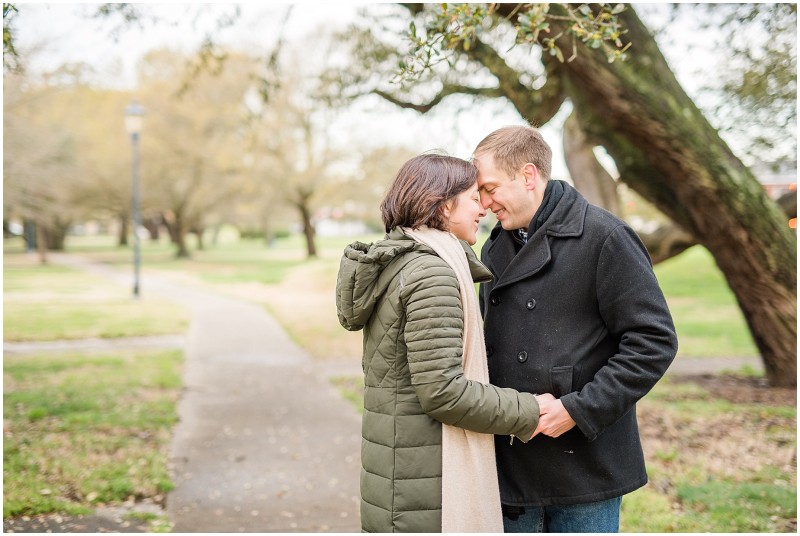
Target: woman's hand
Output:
[(554, 419)]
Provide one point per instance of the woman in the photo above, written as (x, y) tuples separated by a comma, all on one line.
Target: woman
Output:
[(427, 456)]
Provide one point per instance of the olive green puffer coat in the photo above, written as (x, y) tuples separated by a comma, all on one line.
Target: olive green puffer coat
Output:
[(406, 299)]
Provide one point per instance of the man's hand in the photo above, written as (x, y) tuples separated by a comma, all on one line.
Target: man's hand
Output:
[(554, 419)]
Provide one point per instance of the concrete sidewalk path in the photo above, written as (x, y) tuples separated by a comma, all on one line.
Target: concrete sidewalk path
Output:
[(264, 442)]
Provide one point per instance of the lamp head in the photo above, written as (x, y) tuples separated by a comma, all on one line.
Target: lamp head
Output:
[(133, 118)]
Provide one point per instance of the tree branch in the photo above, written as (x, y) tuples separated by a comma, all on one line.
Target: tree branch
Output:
[(445, 92), (413, 8), (537, 106)]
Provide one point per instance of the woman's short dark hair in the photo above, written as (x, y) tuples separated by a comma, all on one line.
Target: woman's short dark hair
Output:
[(421, 188)]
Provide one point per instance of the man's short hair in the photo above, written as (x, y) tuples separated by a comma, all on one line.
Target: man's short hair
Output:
[(514, 146)]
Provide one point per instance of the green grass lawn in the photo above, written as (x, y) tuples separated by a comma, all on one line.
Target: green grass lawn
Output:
[(83, 430), (715, 464), (707, 318), (50, 302)]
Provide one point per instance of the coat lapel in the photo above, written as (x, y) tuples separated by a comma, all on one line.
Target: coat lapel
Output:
[(531, 258), (500, 252), (566, 221)]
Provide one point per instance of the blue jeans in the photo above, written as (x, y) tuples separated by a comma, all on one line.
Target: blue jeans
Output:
[(602, 516)]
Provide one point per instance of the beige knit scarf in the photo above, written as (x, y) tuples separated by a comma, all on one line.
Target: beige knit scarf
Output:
[(470, 492)]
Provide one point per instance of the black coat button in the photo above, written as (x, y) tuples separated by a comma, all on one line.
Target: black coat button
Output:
[(489, 351), (531, 303), (522, 356), (495, 300)]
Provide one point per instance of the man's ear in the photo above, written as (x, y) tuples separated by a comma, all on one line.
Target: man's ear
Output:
[(530, 173)]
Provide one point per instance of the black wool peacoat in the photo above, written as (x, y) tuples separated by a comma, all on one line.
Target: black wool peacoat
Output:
[(578, 313)]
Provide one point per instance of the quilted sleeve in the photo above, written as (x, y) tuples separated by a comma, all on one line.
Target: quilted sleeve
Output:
[(434, 325)]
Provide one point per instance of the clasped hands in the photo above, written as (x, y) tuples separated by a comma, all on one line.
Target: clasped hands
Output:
[(554, 419)]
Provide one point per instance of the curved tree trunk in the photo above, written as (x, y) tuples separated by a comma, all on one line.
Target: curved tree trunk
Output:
[(599, 188), (666, 241), (589, 177), (669, 153)]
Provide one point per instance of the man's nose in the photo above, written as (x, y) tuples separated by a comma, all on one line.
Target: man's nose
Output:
[(486, 201)]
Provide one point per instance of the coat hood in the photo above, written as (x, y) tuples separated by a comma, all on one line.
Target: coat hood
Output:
[(366, 270), (363, 277)]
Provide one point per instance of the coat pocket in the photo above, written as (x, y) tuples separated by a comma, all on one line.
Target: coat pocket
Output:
[(561, 380)]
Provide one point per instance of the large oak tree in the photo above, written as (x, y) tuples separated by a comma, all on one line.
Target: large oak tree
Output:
[(662, 144)]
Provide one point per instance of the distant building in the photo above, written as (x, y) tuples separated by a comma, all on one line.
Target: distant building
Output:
[(777, 181), (329, 227)]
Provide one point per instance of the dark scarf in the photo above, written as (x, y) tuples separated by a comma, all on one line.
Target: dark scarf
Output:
[(552, 195)]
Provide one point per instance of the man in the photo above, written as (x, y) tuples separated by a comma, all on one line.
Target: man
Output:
[(574, 310)]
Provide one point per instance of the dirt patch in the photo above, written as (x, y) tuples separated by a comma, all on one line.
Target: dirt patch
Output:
[(741, 389), (685, 432)]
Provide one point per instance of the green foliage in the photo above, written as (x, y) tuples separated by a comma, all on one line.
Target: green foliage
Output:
[(458, 27), (128, 12), (601, 29), (762, 79), (87, 430), (752, 94), (10, 56)]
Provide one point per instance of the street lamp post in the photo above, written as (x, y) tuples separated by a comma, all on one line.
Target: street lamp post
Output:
[(133, 124)]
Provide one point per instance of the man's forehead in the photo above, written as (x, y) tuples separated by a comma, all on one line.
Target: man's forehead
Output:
[(484, 181), (481, 158)]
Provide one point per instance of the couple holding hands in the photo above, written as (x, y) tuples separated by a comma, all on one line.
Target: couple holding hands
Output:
[(513, 410)]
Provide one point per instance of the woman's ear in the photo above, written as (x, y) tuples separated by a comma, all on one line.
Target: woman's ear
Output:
[(446, 208)]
